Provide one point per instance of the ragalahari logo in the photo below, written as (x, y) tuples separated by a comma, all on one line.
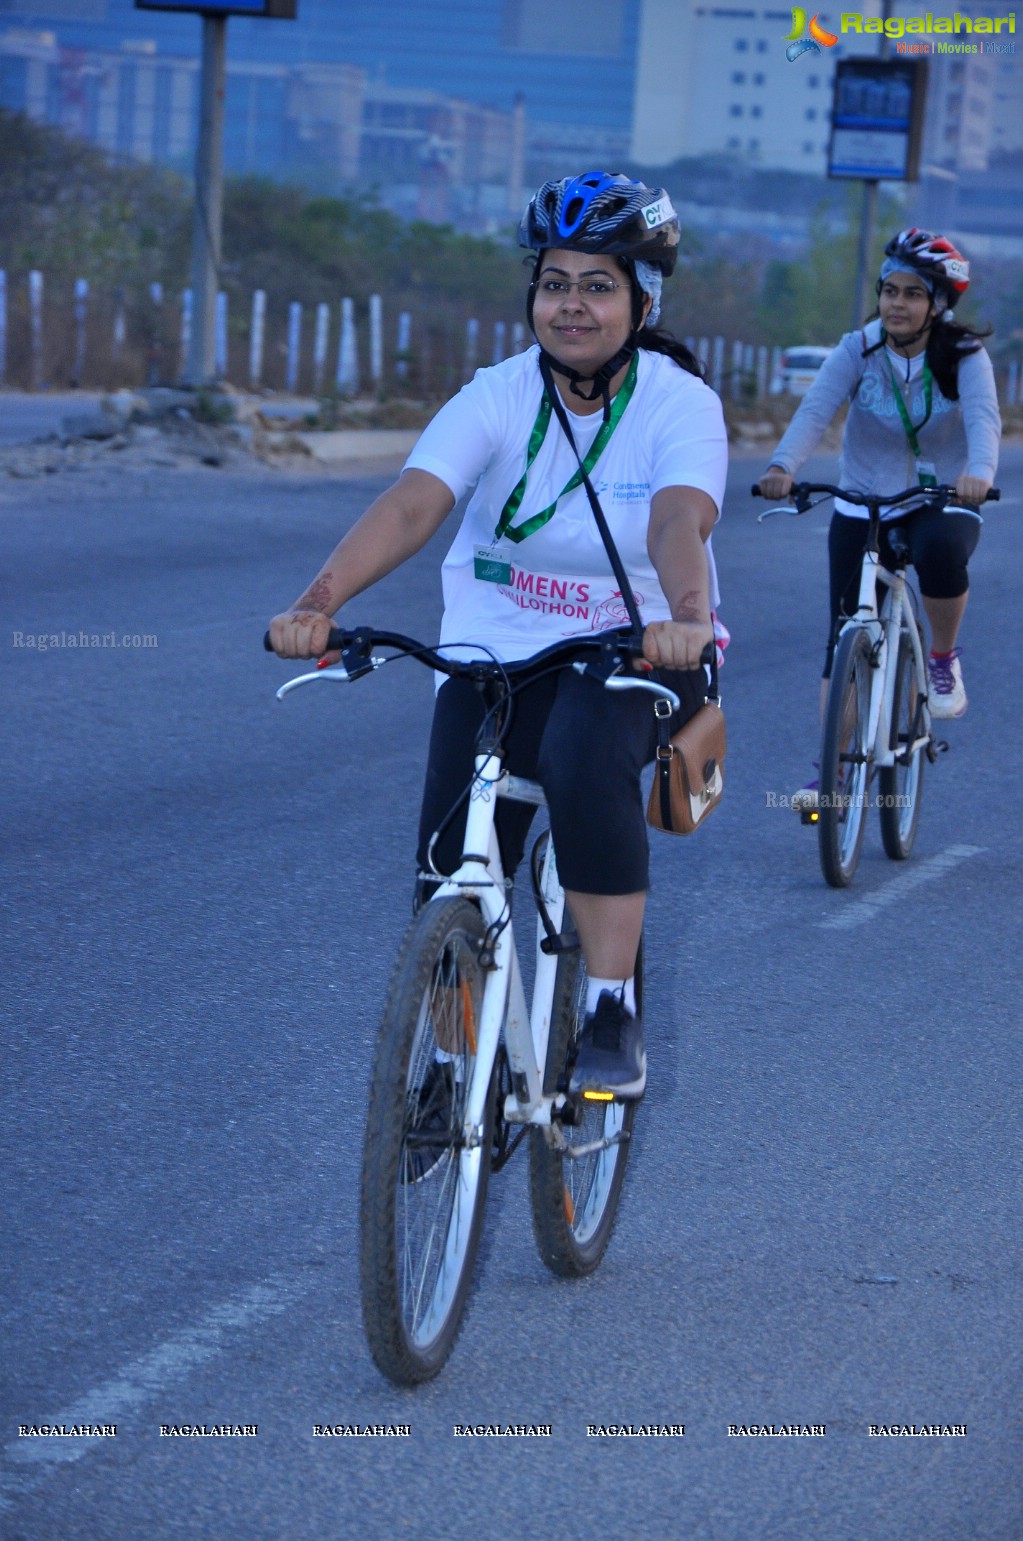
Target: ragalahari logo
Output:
[(798, 44)]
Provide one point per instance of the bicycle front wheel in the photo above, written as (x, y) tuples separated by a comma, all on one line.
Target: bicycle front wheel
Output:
[(900, 785), (846, 757), (574, 1194), (424, 1183)]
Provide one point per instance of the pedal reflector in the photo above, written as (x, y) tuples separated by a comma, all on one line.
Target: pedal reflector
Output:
[(598, 1096)]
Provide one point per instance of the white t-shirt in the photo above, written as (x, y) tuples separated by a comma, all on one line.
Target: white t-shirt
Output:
[(519, 597)]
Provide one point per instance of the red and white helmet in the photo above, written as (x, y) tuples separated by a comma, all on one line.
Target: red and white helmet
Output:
[(933, 257)]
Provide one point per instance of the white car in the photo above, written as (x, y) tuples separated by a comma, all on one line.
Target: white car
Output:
[(798, 370)]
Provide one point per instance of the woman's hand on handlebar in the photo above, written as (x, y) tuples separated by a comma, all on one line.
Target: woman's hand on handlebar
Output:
[(676, 644), (775, 483), (972, 489), (302, 634)]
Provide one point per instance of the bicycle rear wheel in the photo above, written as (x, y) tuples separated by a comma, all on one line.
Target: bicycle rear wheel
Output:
[(423, 1185), (845, 759), (574, 1199), (900, 785)]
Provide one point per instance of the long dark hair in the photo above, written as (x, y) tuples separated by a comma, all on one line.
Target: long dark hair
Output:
[(948, 343), (656, 339)]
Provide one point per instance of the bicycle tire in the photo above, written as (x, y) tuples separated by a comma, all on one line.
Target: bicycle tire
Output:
[(575, 1201), (423, 1192), (900, 785), (845, 782)]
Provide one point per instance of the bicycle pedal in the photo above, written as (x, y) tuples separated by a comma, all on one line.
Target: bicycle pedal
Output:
[(935, 747), (809, 816)]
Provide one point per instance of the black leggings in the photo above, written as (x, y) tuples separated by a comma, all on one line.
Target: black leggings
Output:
[(585, 745), (940, 545)]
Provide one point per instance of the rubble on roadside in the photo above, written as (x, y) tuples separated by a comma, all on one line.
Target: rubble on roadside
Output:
[(157, 427), (165, 428)]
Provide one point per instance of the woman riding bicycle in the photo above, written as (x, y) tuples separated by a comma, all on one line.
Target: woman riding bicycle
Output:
[(528, 567), (922, 409)]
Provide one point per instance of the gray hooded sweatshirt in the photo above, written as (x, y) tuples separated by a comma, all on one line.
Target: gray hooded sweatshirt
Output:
[(959, 437)]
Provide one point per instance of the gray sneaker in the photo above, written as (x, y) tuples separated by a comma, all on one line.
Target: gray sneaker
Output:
[(946, 694), (610, 1056)]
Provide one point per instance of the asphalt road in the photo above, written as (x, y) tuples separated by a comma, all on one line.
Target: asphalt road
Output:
[(202, 891)]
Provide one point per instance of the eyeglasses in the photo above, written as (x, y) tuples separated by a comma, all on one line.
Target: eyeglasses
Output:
[(589, 288)]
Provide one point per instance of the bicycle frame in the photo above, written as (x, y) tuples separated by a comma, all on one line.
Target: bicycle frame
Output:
[(526, 1028), (480, 877), (884, 629)]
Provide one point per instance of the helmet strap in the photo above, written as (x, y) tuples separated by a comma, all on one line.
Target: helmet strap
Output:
[(600, 380)]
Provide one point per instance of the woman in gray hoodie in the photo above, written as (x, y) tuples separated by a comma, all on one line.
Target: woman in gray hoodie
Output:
[(922, 408)]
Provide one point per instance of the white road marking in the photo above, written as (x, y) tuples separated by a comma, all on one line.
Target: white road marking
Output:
[(140, 1381), (867, 908)]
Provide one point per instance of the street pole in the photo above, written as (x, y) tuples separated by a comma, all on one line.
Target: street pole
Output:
[(209, 194), (868, 218)]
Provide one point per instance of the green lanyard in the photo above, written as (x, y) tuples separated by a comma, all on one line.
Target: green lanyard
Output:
[(911, 432), (537, 521)]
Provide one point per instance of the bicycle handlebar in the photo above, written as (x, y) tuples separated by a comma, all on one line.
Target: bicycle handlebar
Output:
[(801, 492), (359, 642), (615, 648)]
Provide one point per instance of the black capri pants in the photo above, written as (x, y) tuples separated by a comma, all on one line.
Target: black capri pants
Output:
[(940, 546), (585, 745)]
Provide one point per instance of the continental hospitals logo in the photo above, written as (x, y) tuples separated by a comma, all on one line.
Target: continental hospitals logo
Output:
[(987, 28)]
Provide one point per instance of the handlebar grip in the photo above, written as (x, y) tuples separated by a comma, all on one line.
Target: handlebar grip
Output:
[(336, 640), (755, 490), (992, 495)]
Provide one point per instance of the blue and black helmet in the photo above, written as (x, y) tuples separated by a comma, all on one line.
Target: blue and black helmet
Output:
[(603, 211)]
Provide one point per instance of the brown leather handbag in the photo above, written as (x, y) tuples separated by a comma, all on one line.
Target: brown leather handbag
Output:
[(689, 769)]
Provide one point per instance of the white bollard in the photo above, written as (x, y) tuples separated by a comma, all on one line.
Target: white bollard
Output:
[(1012, 385), (257, 335), (35, 306), (472, 343), (294, 345), (220, 337), (348, 352), (735, 383), (81, 316), (717, 364), (376, 340), (499, 336), (404, 344), (320, 346), (186, 332), (119, 325), (518, 337), (761, 373)]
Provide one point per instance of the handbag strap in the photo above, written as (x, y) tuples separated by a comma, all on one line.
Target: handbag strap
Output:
[(624, 586)]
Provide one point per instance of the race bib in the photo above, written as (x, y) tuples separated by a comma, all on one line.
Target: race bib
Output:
[(491, 564)]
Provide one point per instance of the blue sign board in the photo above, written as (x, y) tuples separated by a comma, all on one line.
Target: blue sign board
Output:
[(877, 119), (284, 10)]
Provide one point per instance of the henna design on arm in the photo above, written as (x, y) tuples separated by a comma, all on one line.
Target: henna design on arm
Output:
[(317, 596), (692, 606)]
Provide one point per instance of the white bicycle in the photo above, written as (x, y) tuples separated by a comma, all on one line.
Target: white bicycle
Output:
[(876, 718), (463, 1068)]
